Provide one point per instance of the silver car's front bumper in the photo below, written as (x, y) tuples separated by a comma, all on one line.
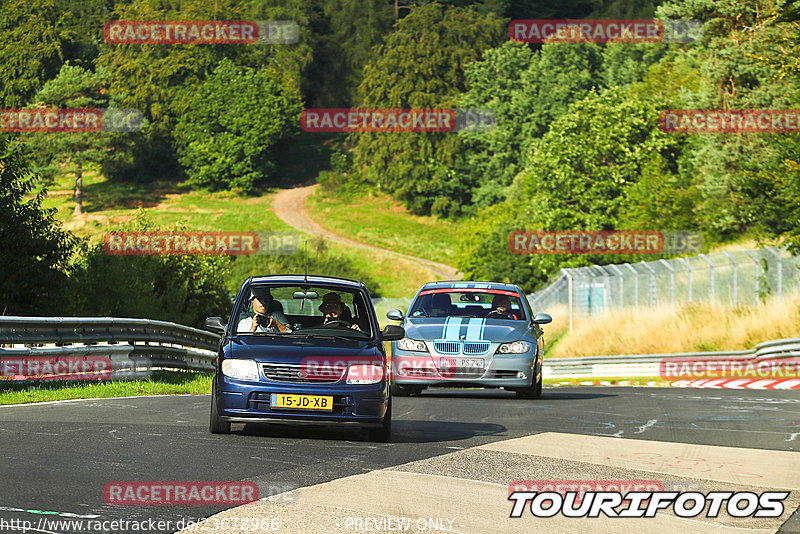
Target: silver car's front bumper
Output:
[(421, 369)]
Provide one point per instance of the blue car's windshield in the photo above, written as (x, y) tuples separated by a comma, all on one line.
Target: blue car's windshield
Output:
[(309, 310)]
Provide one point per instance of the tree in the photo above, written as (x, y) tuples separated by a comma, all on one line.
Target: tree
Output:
[(229, 133), (421, 65), (73, 87), (30, 48), (34, 250)]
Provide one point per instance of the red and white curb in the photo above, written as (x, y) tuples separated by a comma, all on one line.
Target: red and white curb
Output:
[(739, 383), (718, 383)]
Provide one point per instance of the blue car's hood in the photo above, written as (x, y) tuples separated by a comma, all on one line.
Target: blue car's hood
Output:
[(458, 328), (295, 349)]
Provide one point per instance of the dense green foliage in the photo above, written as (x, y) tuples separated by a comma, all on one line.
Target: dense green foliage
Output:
[(34, 250), (233, 123), (577, 143)]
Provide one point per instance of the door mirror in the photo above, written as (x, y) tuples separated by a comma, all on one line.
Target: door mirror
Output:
[(215, 324), (393, 333), (395, 315), (542, 318)]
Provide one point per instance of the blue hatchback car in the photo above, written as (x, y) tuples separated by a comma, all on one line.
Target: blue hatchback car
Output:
[(302, 349)]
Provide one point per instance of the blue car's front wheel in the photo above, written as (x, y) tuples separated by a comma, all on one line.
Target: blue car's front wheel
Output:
[(384, 432), (216, 425)]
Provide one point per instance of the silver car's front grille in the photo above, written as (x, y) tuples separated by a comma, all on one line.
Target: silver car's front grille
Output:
[(476, 347), (294, 373), (447, 347)]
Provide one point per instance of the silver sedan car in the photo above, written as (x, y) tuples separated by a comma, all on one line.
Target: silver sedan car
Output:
[(469, 334)]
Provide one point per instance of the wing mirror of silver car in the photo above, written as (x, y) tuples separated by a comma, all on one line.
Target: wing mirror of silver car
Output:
[(392, 333), (215, 324), (395, 315), (542, 318)]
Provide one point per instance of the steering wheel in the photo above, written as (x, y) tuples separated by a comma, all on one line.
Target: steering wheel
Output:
[(498, 314), (345, 323)]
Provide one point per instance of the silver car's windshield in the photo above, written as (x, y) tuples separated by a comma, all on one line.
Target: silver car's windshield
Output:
[(488, 304)]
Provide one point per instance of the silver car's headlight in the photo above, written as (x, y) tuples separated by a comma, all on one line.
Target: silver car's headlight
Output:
[(517, 347), (240, 369), (412, 345)]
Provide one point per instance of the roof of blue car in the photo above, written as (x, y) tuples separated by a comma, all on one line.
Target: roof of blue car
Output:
[(469, 284), (300, 279)]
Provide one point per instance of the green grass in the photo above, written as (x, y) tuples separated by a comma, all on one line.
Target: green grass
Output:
[(160, 383), (109, 204), (381, 221)]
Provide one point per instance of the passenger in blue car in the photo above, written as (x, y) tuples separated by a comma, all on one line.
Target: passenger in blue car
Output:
[(267, 314)]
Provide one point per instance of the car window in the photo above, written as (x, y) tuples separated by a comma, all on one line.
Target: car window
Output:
[(490, 304), (338, 311)]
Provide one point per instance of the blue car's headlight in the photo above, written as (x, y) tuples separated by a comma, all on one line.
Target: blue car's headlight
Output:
[(240, 369), (412, 345), (517, 347)]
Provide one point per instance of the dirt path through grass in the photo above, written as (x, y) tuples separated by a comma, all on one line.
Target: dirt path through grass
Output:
[(290, 206)]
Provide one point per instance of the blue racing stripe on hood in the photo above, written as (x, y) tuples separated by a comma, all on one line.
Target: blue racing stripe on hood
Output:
[(452, 327)]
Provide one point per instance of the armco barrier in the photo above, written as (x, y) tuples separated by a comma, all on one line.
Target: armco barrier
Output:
[(137, 345), (646, 365), (134, 346)]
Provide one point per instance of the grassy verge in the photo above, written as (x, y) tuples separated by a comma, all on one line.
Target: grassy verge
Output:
[(681, 328), (160, 383), (381, 221)]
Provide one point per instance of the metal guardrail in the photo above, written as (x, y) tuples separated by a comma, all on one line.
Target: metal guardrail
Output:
[(134, 346), (648, 364)]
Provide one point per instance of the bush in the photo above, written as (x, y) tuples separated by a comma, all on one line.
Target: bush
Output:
[(181, 289)]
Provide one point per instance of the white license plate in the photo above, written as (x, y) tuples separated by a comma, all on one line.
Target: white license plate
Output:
[(473, 363)]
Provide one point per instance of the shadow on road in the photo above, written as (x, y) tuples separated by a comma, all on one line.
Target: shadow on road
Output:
[(403, 431), (547, 394)]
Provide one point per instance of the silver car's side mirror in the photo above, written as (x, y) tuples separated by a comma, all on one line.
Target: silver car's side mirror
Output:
[(395, 315), (542, 318)]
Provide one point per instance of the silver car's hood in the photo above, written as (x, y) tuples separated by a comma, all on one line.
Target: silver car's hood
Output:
[(465, 328)]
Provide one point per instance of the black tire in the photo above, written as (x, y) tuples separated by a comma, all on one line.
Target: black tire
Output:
[(217, 425), (383, 433), (405, 391), (532, 392)]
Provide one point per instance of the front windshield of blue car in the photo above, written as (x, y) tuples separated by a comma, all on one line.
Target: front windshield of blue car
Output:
[(308, 310)]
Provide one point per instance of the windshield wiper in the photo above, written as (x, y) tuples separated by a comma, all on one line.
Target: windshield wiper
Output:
[(330, 336)]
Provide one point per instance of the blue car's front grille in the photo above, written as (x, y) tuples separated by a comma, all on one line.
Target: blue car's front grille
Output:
[(476, 347), (447, 347), (294, 373)]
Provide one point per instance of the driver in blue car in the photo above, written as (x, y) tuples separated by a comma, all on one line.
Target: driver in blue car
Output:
[(267, 314), (335, 311)]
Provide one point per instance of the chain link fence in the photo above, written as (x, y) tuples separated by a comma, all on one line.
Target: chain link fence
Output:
[(726, 278)]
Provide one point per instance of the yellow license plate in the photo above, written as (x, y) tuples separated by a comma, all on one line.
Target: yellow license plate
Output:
[(301, 402)]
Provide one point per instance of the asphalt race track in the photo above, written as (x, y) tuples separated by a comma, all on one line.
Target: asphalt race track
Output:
[(57, 457)]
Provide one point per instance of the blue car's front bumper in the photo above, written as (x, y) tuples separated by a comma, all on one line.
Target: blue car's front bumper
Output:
[(240, 401)]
